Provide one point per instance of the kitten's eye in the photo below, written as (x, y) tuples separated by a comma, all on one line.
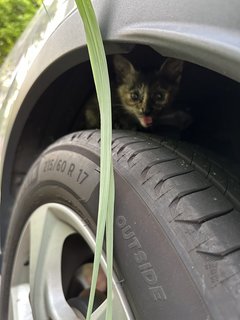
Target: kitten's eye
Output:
[(134, 96), (159, 96)]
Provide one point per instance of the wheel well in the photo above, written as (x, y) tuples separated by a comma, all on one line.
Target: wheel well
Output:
[(53, 116), (211, 98)]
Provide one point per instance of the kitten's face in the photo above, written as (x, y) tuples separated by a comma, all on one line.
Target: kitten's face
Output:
[(146, 95)]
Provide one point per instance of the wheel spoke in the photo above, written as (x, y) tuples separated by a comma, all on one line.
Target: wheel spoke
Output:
[(20, 307), (47, 235), (99, 314), (118, 307)]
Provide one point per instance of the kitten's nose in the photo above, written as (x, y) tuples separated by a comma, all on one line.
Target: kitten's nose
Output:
[(147, 112)]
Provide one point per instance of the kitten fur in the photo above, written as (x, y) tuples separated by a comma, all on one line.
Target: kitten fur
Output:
[(138, 98)]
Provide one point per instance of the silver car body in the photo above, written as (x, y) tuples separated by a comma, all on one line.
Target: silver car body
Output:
[(204, 32)]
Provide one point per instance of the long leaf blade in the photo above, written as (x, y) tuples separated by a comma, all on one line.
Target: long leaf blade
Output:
[(106, 196)]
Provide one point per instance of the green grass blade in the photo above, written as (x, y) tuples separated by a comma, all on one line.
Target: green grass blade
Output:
[(106, 195), (109, 240)]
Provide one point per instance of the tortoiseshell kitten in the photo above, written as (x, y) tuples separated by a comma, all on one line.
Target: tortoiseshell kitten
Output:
[(138, 98)]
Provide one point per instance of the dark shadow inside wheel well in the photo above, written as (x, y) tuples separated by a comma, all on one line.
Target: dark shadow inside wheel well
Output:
[(210, 98), (52, 117)]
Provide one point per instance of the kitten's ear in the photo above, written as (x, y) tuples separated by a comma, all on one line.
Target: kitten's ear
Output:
[(125, 71), (172, 69)]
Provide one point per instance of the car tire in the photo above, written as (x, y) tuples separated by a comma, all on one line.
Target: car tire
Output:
[(177, 239)]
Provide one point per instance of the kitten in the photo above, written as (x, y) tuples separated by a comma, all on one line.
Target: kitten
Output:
[(138, 98)]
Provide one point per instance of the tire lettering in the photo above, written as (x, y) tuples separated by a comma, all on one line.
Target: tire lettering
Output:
[(49, 165), (71, 169), (121, 221), (140, 257), (150, 277), (126, 234), (62, 166), (158, 293), (82, 176), (145, 266), (135, 244)]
